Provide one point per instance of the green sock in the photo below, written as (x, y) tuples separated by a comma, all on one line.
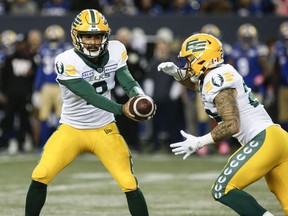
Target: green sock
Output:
[(136, 203), (242, 203), (35, 198)]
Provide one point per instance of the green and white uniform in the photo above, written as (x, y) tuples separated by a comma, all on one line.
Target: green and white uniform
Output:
[(264, 151), (83, 103), (253, 116), (87, 119)]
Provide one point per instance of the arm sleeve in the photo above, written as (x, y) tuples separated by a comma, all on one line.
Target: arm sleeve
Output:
[(84, 90), (128, 83)]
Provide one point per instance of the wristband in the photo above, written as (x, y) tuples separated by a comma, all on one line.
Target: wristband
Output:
[(206, 139)]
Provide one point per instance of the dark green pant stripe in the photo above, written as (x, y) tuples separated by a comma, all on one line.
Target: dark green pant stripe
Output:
[(235, 163)]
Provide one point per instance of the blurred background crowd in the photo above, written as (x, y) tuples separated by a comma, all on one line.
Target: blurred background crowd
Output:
[(148, 7), (30, 99)]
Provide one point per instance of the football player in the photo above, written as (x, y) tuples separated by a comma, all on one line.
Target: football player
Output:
[(47, 94), (250, 58), (229, 101), (86, 75), (281, 65)]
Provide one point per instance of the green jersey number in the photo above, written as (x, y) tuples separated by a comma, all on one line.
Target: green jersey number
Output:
[(252, 100), (100, 87)]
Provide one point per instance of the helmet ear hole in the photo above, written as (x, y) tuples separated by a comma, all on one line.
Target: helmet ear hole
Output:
[(201, 62)]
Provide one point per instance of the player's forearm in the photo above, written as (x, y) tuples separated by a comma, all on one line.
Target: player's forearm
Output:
[(189, 84), (128, 83), (84, 90), (227, 109), (224, 131)]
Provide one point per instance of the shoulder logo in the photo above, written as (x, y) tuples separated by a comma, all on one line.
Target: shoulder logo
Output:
[(217, 80), (59, 67)]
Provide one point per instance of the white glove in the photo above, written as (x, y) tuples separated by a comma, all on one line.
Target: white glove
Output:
[(191, 144), (36, 99), (188, 146), (171, 69)]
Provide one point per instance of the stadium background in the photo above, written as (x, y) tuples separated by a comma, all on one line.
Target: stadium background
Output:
[(182, 26)]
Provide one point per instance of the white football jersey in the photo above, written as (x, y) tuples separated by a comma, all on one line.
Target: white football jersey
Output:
[(75, 110), (253, 116)]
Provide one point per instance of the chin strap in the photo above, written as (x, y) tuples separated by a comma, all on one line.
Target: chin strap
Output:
[(195, 79)]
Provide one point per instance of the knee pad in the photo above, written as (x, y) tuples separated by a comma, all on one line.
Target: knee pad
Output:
[(128, 183), (40, 174)]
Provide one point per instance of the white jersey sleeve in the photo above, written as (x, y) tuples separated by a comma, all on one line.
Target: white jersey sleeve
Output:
[(70, 65), (253, 116)]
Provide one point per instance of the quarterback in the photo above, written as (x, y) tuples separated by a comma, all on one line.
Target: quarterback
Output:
[(228, 100), (86, 75)]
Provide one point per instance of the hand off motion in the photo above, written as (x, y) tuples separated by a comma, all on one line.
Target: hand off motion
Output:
[(188, 146), (127, 113), (171, 69)]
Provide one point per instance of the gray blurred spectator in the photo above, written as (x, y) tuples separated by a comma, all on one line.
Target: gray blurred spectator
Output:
[(166, 93), (139, 40), (137, 64), (23, 7), (119, 7)]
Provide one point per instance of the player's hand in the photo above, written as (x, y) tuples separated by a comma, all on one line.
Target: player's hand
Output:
[(188, 146), (36, 100), (171, 69), (127, 113)]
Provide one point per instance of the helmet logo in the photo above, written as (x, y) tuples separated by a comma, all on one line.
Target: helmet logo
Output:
[(196, 45)]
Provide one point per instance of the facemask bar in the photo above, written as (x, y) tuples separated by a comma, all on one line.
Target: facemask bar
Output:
[(101, 47)]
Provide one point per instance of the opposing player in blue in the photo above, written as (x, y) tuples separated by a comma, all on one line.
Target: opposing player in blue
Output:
[(47, 95), (249, 57), (229, 101), (86, 75), (281, 66)]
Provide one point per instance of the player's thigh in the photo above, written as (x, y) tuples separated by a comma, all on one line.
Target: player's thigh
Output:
[(46, 103), (277, 178), (250, 163), (268, 154), (60, 149), (278, 184), (114, 153), (282, 104), (57, 100)]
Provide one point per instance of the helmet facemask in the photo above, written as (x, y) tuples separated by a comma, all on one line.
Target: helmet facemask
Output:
[(201, 52), (93, 49), (94, 26)]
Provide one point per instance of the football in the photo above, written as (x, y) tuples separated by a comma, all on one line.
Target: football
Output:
[(142, 107)]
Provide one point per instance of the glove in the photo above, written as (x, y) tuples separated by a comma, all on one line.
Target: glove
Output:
[(188, 146), (36, 100), (171, 69), (127, 113)]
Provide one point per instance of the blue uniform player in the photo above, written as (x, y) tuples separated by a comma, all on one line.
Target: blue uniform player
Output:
[(47, 95)]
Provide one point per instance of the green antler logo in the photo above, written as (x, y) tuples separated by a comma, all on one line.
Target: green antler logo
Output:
[(196, 45)]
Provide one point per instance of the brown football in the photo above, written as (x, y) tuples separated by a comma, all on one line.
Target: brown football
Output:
[(142, 107)]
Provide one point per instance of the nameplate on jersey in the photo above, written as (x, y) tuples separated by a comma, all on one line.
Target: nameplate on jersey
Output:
[(88, 74), (110, 68)]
